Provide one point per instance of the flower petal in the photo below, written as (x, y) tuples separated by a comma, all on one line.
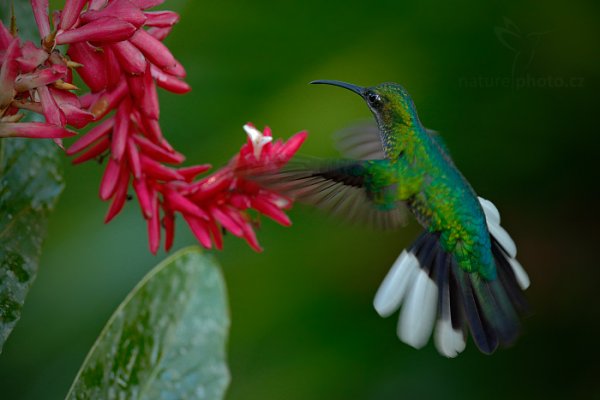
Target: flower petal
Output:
[(87, 100), (176, 70), (249, 234), (95, 151), (133, 157), (141, 190), (226, 221), (131, 59), (94, 134), (215, 232), (161, 19), (199, 229), (270, 210), (113, 68), (169, 82), (51, 110), (144, 94), (108, 100), (41, 77), (189, 173), (181, 203), (159, 154), (153, 49), (160, 33), (168, 222), (121, 129), (75, 116), (151, 129), (5, 36), (292, 145), (209, 186), (102, 30), (154, 226), (96, 4), (158, 171), (143, 4), (110, 178), (93, 70), (120, 196), (8, 73), (124, 9), (40, 13), (35, 130), (70, 13), (31, 57)]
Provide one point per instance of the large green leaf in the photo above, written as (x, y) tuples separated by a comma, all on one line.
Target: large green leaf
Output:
[(30, 183), (166, 340)]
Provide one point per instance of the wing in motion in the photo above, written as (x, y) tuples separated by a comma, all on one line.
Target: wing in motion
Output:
[(360, 141), (350, 189)]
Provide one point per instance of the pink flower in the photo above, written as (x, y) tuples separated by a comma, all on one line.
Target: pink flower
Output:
[(228, 195), (33, 80), (222, 200), (36, 130), (116, 48), (121, 63)]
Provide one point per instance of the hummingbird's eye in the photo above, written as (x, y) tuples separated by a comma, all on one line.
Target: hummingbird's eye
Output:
[(374, 99)]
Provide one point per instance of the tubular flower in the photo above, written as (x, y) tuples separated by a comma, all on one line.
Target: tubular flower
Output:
[(116, 48), (227, 195), (219, 201), (34, 80)]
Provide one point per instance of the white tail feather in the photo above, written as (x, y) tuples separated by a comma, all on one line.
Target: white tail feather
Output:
[(492, 218), (448, 341), (408, 283), (394, 286), (493, 222), (490, 210), (520, 274), (418, 312), (504, 239)]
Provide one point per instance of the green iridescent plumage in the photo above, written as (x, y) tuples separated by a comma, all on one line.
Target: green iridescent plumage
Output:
[(424, 177), (465, 258)]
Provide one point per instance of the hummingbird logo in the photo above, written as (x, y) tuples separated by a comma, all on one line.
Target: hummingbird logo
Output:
[(523, 45)]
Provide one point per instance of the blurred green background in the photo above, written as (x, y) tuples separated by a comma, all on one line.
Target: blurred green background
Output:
[(303, 324)]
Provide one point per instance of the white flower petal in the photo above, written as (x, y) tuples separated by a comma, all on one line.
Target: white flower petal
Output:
[(257, 138)]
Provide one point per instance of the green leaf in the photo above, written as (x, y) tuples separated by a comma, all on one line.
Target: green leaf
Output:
[(30, 183), (166, 340)]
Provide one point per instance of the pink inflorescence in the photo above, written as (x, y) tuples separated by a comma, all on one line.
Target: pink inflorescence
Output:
[(223, 198), (39, 81), (116, 48)]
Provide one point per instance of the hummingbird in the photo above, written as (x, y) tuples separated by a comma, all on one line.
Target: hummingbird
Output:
[(461, 274)]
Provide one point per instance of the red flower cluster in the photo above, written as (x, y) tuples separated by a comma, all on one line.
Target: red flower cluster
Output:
[(35, 80), (223, 198), (116, 48)]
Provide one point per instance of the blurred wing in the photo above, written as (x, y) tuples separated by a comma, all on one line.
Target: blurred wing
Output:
[(342, 188), (439, 141), (360, 141)]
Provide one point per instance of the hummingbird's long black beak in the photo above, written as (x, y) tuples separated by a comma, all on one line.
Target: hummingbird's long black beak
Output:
[(353, 88)]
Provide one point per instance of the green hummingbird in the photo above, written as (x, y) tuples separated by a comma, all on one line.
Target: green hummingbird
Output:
[(461, 271)]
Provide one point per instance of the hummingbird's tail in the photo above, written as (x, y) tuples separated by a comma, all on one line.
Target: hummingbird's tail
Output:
[(428, 283)]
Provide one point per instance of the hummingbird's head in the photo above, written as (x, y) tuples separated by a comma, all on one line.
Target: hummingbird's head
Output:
[(389, 102)]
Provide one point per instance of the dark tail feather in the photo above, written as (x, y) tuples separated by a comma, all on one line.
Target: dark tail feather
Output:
[(464, 301), (484, 336), (508, 279)]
